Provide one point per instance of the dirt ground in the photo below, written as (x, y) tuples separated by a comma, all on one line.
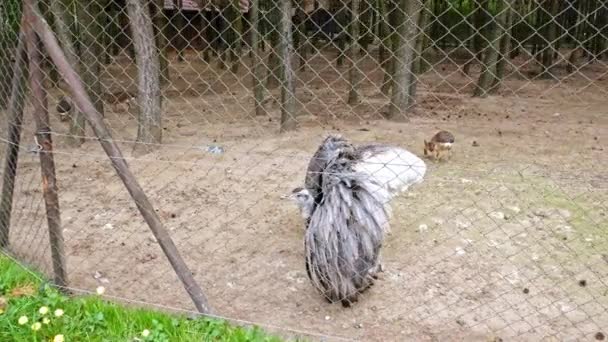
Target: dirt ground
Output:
[(505, 240)]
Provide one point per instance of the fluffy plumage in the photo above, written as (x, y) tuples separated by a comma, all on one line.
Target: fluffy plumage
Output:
[(346, 230), (392, 167), (345, 203)]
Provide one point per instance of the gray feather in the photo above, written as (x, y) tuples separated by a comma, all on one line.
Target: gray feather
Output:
[(347, 227)]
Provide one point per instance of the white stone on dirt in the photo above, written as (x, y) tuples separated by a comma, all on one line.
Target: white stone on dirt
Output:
[(499, 215), (564, 213), (514, 209)]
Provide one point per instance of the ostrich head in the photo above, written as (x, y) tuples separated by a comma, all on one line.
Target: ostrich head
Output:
[(303, 199)]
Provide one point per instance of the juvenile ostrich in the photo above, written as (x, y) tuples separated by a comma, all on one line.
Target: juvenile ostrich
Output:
[(345, 206)]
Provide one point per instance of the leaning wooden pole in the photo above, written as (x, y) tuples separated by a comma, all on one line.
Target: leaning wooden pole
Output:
[(43, 138), (146, 209), (15, 119)]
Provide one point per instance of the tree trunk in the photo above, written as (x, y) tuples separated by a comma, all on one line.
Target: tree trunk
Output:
[(505, 46), (237, 36), (160, 22), (63, 21), (7, 44), (490, 58), (354, 74), (10, 21), (149, 130), (300, 37), (552, 6), (480, 21), (90, 30), (600, 30), (339, 10), (180, 24), (256, 60), (273, 19), (288, 86), (385, 50), (404, 56), (366, 23), (417, 66)]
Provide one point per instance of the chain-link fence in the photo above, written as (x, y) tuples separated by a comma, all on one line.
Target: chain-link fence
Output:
[(218, 107)]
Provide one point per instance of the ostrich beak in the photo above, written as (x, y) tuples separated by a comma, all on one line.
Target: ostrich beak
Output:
[(289, 196), (285, 196)]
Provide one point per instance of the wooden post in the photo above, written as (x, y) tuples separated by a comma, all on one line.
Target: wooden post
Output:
[(15, 119), (146, 209), (47, 164)]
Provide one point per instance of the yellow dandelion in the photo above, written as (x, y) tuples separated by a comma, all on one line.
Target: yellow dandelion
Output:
[(23, 320), (36, 326), (101, 290), (45, 320), (145, 333), (58, 313), (43, 310), (58, 338)]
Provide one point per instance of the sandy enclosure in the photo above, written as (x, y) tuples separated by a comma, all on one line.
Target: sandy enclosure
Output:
[(507, 239)]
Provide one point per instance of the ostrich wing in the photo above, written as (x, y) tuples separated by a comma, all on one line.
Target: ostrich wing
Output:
[(346, 230), (392, 167)]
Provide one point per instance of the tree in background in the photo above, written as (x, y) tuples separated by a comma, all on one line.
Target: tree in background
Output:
[(149, 128), (409, 11), (493, 36), (288, 82), (10, 14), (354, 73)]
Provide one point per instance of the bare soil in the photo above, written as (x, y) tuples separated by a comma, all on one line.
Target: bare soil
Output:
[(506, 239)]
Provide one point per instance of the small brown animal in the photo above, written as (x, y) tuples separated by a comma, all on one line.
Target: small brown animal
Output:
[(64, 108), (440, 142), (123, 106)]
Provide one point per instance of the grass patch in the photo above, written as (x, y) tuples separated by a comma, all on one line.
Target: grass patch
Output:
[(30, 310)]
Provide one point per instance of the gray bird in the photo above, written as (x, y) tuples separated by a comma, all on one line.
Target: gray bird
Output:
[(345, 204)]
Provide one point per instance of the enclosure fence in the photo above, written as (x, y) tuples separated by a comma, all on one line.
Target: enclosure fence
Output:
[(180, 124)]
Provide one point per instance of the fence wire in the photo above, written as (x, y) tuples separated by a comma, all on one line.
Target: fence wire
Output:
[(219, 106)]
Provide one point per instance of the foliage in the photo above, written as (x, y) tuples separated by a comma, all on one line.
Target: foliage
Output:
[(10, 16), (91, 318)]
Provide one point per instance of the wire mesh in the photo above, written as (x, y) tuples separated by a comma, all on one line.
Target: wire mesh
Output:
[(504, 239)]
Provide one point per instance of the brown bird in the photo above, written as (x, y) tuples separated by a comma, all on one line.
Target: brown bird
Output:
[(440, 142), (124, 106)]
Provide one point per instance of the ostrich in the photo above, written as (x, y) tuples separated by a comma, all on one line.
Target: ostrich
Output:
[(345, 204)]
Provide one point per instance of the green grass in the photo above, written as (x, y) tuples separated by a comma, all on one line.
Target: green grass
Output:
[(91, 318)]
